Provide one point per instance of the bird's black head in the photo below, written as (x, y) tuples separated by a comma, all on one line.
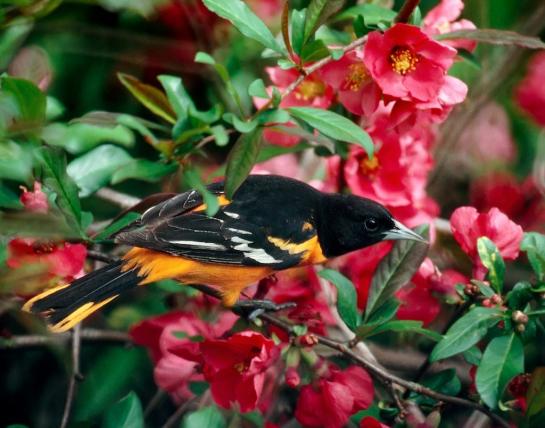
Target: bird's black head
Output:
[(347, 223)]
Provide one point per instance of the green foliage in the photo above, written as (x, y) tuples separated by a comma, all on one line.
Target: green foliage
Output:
[(493, 261), (23, 105), (206, 417), (534, 246), (502, 360), (317, 14), (346, 297), (126, 413), (116, 226)]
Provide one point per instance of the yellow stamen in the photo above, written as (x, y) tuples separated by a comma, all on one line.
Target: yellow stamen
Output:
[(369, 166), (310, 89), (356, 77), (240, 367), (403, 60)]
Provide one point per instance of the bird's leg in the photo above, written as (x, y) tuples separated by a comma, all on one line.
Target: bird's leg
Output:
[(252, 309)]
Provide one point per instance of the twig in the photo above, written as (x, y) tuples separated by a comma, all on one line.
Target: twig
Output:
[(74, 377), (101, 257), (154, 402), (122, 200), (175, 417), (87, 335), (406, 10)]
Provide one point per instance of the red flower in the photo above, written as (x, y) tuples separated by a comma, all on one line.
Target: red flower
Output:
[(530, 93), (408, 64), (166, 332), (357, 91), (518, 388), (35, 201), (235, 367), (292, 378), (371, 422), (468, 225), (332, 399), (442, 19)]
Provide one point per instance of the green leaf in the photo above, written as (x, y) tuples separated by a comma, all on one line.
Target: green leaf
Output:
[(405, 326), (35, 225), (494, 37), (534, 246), (334, 126), (416, 17), (16, 160), (466, 332), (9, 199), (445, 382), (55, 177), (247, 22), (298, 29), (143, 169), (204, 58), (126, 413), (372, 14), (194, 181), (273, 116), (257, 89), (220, 135), (395, 271), (473, 356), (240, 125), (318, 12), (177, 96), (385, 312), (502, 360), (535, 397), (116, 226), (26, 104), (241, 159), (347, 298), (151, 97), (493, 261), (206, 417), (95, 169), (520, 295)]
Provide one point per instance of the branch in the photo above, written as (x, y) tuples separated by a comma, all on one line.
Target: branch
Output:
[(75, 376), (406, 11), (122, 200)]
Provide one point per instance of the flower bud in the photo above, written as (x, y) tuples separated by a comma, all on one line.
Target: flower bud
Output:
[(292, 377), (496, 299), (520, 328), (308, 340), (487, 303), (519, 317)]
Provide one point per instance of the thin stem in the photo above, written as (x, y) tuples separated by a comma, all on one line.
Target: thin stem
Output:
[(74, 377), (406, 10), (177, 415)]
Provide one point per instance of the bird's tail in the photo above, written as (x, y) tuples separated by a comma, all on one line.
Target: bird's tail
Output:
[(66, 305)]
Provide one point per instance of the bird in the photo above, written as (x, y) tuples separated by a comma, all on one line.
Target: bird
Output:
[(271, 223)]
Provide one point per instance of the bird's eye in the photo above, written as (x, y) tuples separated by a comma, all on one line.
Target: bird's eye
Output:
[(371, 224)]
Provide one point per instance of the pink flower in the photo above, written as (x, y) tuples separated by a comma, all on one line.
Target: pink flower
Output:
[(370, 422), (286, 165), (35, 201), (530, 94), (357, 91), (267, 10), (165, 333), (468, 225), (330, 401), (408, 64), (442, 19), (292, 378)]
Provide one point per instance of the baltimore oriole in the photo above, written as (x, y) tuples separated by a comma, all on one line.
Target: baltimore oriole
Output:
[(271, 224)]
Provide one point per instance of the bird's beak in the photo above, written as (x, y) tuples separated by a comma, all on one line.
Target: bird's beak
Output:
[(399, 231)]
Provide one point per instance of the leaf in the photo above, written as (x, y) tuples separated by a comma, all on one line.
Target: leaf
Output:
[(143, 169), (297, 29), (247, 22), (493, 261), (405, 326), (206, 417), (151, 97), (445, 382), (494, 37), (241, 159), (318, 12), (520, 295), (473, 356), (535, 397), (220, 135), (177, 96), (257, 89), (395, 271), (347, 298), (466, 332), (372, 14), (55, 177), (9, 199), (334, 126), (502, 360), (116, 226), (36, 225), (240, 125), (126, 413), (95, 169), (534, 246), (28, 101), (210, 200)]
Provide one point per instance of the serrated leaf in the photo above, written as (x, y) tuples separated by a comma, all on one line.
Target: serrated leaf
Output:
[(149, 96), (334, 125), (347, 298), (247, 22), (494, 37), (257, 89), (206, 417), (318, 12), (55, 177), (95, 169), (466, 332), (116, 226), (126, 413), (395, 271), (502, 360), (210, 200), (241, 159), (493, 261), (533, 245)]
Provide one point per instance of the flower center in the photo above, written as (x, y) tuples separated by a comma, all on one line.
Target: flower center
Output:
[(403, 60), (43, 247), (241, 367), (356, 77), (309, 89), (369, 166)]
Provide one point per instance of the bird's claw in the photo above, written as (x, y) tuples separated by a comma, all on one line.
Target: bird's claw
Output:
[(252, 309)]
